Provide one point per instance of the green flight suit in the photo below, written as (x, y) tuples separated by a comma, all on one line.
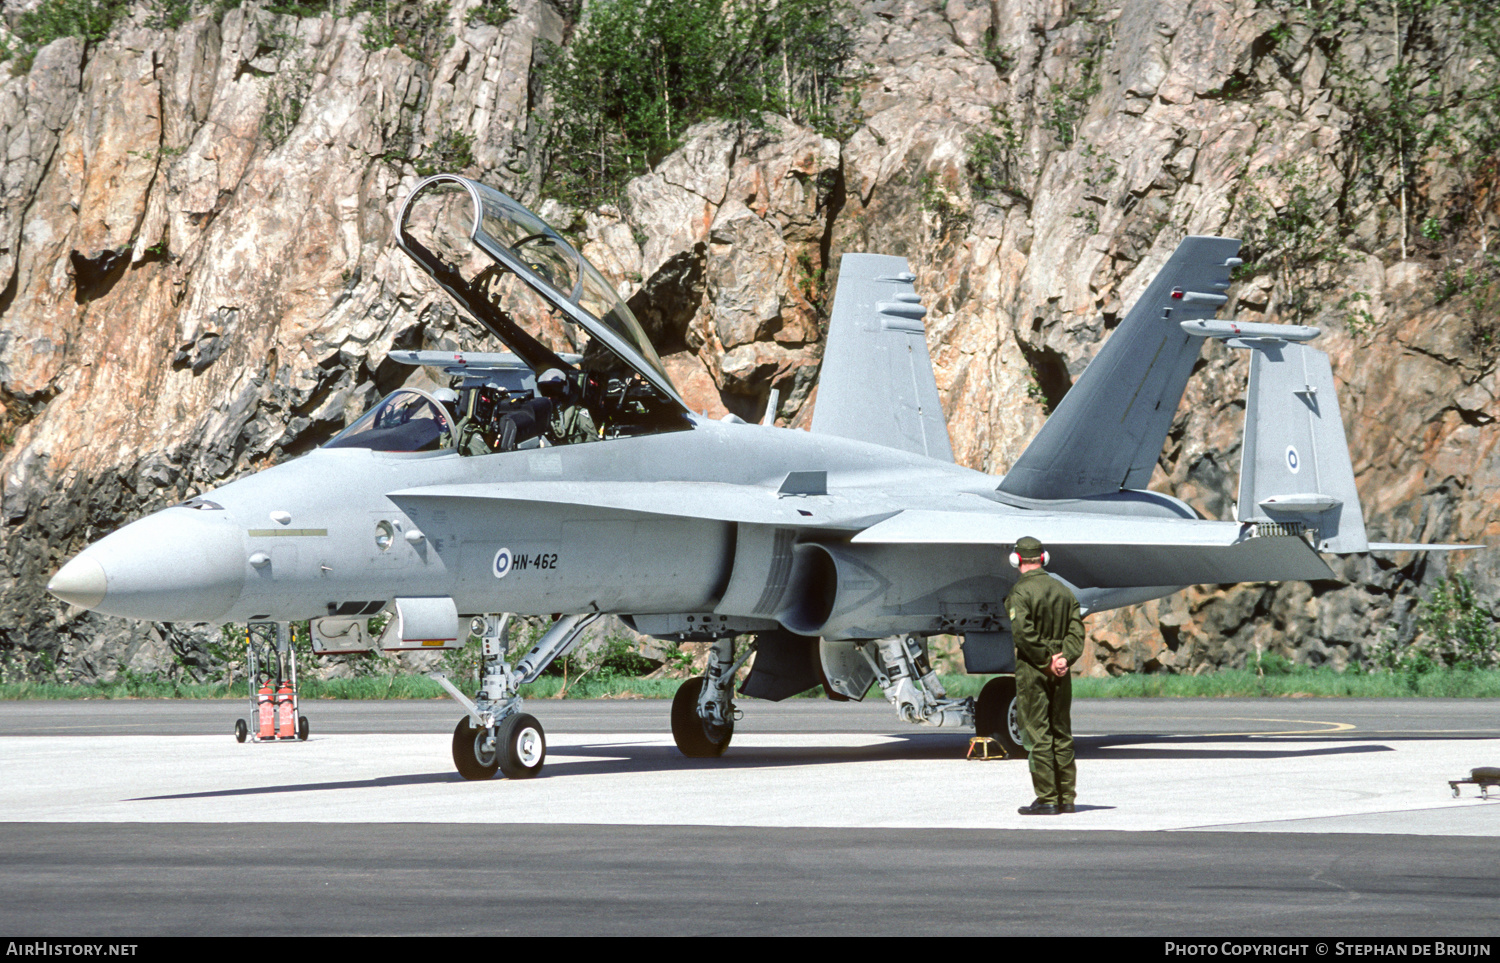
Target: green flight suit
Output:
[(1045, 621), (572, 425), (470, 440)]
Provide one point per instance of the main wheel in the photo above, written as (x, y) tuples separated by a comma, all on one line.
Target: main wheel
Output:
[(522, 745), (240, 730), (692, 735), (471, 757), (997, 715)]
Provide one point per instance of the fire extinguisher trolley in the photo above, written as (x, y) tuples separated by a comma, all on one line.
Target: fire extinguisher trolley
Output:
[(271, 669)]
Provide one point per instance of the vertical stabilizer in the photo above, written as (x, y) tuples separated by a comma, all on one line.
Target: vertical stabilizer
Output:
[(876, 383), (1295, 464), (1109, 429)]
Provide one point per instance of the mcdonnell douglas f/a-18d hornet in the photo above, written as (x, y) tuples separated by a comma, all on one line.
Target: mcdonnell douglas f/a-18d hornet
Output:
[(567, 475)]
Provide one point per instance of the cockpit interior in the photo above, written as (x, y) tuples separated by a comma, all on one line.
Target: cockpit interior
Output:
[(579, 367)]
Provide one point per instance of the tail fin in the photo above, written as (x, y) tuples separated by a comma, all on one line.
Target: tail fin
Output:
[(877, 384), (1109, 428), (1295, 466)]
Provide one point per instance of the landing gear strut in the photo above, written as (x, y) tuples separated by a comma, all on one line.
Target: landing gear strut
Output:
[(496, 734), (911, 685)]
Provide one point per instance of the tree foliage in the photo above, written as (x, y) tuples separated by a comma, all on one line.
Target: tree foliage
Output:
[(638, 73), (55, 19)]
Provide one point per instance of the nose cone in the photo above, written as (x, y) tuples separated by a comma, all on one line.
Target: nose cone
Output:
[(179, 565), (80, 582)]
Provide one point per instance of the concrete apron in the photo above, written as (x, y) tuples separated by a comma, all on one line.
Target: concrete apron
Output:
[(1230, 782)]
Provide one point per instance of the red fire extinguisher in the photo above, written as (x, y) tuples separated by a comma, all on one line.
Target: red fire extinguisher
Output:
[(266, 712), (285, 712)]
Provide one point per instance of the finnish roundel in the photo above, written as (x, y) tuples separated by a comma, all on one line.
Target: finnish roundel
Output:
[(501, 567), (1293, 460)]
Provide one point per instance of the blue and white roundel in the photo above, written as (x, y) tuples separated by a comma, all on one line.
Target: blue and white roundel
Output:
[(1292, 460), (501, 567)]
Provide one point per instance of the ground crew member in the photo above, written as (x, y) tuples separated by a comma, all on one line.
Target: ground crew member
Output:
[(1048, 632)]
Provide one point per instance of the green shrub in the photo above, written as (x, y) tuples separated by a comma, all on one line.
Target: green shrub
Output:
[(493, 12), (994, 165), (417, 28), (1459, 627), (451, 152), (315, 8)]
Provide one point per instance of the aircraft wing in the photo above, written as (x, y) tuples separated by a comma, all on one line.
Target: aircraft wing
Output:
[(1108, 552), (680, 499)]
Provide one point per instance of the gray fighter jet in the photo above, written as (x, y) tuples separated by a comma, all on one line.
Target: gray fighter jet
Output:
[(568, 476)]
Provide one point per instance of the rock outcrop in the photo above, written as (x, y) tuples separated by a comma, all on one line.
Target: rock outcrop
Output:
[(197, 278)]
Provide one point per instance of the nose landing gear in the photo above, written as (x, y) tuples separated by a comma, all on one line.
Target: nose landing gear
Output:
[(517, 747), (496, 735)]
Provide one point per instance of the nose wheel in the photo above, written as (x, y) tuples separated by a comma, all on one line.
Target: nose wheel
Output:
[(523, 746), (474, 751), (517, 748)]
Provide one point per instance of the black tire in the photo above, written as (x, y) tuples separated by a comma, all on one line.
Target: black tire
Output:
[(522, 746), (997, 715), (689, 730), (241, 731), (303, 729), (468, 756)]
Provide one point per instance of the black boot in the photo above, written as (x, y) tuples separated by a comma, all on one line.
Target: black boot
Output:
[(1038, 808)]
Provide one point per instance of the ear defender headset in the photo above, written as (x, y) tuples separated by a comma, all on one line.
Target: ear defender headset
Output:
[(1015, 557)]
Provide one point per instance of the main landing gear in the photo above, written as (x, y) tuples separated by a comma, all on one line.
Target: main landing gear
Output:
[(907, 679), (496, 735), (703, 716), (997, 715)]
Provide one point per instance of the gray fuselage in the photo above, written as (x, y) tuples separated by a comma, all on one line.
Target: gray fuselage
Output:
[(344, 530)]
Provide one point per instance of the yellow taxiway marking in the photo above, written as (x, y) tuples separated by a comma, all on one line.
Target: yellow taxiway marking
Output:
[(1331, 727)]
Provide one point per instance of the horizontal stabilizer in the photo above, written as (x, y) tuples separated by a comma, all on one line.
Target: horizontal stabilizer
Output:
[(1418, 547), (1094, 551)]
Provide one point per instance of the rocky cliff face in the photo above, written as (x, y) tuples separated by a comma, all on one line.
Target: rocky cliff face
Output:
[(198, 277)]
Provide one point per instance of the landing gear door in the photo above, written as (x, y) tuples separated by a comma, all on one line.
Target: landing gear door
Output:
[(847, 674)]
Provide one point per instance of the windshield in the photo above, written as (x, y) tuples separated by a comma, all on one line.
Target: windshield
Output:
[(407, 419)]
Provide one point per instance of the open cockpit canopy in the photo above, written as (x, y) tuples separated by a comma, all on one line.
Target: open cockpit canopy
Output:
[(491, 255)]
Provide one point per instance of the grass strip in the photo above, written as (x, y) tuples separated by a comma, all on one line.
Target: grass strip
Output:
[(1227, 683)]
